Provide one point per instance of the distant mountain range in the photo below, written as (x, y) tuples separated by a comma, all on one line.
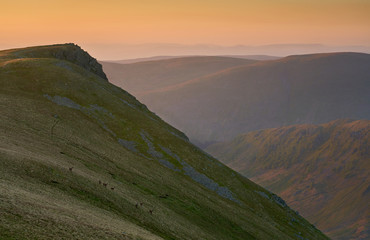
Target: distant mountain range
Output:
[(224, 101), (136, 60), (321, 170), (82, 159), (131, 51)]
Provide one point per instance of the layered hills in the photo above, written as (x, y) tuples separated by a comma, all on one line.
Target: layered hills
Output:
[(321, 170), (155, 58), (82, 159), (141, 77), (313, 88)]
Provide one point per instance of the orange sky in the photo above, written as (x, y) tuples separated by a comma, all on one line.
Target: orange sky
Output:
[(222, 22)]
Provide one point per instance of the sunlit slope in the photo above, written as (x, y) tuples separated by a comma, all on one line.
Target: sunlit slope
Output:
[(138, 78), (321, 170), (313, 88), (82, 159)]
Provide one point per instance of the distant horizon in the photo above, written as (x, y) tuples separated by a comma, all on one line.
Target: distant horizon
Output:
[(101, 26), (127, 51)]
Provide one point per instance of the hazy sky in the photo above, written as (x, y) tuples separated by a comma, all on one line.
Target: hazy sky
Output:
[(221, 22)]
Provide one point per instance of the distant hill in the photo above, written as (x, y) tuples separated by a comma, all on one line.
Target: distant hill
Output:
[(137, 78), (155, 58), (82, 159), (313, 89), (131, 51), (321, 170), (144, 59), (254, 57)]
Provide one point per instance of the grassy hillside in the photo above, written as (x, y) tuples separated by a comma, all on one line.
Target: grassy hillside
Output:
[(321, 170), (82, 159), (138, 78), (313, 89)]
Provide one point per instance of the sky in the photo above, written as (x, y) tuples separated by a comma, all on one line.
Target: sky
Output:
[(101, 23)]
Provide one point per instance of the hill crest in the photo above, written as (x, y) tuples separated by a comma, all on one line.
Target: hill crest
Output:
[(69, 52)]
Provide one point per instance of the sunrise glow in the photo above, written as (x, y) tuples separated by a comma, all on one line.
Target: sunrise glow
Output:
[(334, 22)]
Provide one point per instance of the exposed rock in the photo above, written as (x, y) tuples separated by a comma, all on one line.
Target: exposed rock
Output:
[(69, 52), (130, 145), (75, 54), (278, 200)]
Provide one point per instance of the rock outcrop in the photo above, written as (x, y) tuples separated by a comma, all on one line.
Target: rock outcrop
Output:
[(68, 52)]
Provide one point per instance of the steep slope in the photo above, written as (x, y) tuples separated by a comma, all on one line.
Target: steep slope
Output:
[(140, 77), (82, 159), (321, 170), (298, 89)]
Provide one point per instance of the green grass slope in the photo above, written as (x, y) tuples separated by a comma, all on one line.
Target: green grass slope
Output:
[(137, 78), (82, 159), (312, 89), (321, 170)]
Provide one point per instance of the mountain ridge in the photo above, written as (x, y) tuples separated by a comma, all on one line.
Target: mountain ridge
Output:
[(166, 72), (266, 94), (306, 57), (158, 58), (69, 52)]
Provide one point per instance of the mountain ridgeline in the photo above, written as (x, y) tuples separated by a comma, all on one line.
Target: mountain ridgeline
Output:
[(321, 170), (68, 52), (82, 159), (315, 88), (141, 77), (155, 58)]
